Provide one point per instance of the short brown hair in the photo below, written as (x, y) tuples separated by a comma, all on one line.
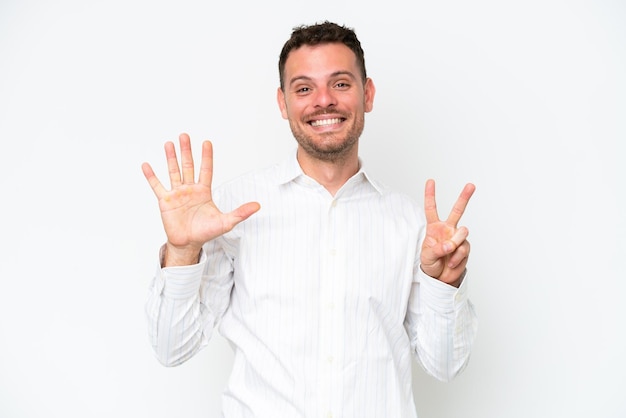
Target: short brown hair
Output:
[(321, 33)]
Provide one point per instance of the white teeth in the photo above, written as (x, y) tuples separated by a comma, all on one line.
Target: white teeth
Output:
[(324, 122)]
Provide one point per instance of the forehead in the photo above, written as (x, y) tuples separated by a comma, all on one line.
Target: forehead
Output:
[(317, 61)]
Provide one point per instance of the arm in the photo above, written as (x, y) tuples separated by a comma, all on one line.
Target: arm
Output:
[(184, 304), (442, 324), (440, 320)]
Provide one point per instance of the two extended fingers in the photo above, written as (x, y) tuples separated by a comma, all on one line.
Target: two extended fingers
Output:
[(430, 204), (454, 244), (185, 173)]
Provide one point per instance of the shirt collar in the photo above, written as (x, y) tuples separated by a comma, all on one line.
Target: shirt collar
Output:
[(289, 170)]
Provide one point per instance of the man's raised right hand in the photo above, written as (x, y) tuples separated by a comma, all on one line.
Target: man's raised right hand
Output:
[(190, 217)]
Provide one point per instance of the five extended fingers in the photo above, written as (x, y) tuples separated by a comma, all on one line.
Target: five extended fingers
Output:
[(185, 173)]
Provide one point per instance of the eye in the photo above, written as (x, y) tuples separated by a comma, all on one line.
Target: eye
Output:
[(342, 85)]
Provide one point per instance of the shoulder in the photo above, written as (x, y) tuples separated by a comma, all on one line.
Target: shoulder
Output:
[(396, 204), (392, 195), (246, 187)]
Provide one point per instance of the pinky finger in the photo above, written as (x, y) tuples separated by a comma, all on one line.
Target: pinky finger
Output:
[(154, 182)]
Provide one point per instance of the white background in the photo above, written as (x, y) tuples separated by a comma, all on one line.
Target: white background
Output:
[(527, 99)]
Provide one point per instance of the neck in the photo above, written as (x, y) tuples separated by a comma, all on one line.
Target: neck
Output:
[(331, 174)]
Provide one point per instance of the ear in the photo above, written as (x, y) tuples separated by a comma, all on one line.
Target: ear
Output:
[(282, 105), (369, 93)]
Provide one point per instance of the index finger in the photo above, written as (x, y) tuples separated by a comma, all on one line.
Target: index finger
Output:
[(461, 203), (430, 204)]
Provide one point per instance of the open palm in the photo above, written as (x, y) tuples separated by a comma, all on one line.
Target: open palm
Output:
[(190, 217)]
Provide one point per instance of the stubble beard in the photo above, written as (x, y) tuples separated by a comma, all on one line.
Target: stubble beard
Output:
[(329, 147)]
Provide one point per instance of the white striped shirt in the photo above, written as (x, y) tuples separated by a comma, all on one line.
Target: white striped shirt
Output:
[(321, 297)]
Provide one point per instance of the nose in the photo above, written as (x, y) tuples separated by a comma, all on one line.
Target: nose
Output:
[(325, 97)]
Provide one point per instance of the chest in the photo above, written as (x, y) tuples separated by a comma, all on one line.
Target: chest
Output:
[(339, 251)]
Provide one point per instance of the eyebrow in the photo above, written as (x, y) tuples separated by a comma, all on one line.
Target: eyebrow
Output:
[(335, 74)]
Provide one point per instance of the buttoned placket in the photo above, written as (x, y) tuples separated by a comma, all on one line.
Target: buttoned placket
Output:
[(332, 291)]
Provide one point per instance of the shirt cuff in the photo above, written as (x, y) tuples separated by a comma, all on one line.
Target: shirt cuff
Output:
[(181, 282), (441, 296)]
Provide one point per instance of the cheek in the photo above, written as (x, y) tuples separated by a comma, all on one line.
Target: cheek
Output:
[(292, 111), (282, 104)]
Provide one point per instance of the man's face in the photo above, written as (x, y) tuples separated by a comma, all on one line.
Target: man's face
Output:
[(325, 100)]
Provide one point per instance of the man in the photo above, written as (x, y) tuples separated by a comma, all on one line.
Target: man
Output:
[(332, 281)]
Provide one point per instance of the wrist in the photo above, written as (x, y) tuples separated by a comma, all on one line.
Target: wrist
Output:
[(456, 283), (176, 256)]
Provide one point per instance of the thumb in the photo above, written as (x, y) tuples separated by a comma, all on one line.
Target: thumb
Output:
[(242, 213)]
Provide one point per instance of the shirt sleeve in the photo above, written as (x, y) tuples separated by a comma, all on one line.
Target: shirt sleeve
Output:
[(441, 324), (185, 303)]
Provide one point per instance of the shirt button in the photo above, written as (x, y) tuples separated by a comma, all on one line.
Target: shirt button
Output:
[(333, 252), (330, 359)]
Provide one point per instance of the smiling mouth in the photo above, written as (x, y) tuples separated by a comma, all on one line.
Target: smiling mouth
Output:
[(325, 122)]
